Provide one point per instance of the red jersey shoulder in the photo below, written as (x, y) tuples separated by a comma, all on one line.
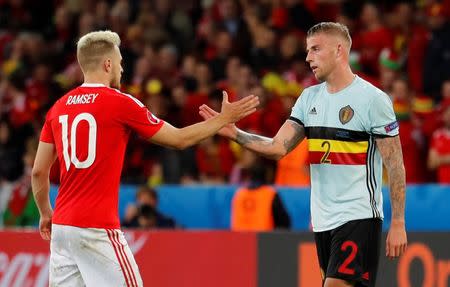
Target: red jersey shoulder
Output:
[(136, 103), (127, 98)]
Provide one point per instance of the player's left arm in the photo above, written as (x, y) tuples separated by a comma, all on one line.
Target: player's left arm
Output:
[(40, 183), (391, 153)]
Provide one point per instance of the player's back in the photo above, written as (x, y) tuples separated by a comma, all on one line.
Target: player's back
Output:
[(90, 127)]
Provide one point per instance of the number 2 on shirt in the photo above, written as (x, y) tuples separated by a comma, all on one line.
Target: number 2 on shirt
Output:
[(92, 139), (325, 158)]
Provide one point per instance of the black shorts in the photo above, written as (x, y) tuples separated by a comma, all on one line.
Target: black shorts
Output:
[(351, 251)]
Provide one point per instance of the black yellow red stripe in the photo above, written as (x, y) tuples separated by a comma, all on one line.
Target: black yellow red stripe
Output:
[(338, 146), (316, 157), (337, 152)]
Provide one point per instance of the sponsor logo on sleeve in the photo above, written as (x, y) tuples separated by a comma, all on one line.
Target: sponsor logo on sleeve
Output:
[(390, 127)]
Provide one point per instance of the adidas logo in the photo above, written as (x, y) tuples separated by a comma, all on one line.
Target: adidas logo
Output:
[(313, 111)]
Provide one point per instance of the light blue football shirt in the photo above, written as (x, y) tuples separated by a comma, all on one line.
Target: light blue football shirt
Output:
[(345, 164)]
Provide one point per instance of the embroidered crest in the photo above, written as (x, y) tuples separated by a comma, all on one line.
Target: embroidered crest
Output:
[(346, 114)]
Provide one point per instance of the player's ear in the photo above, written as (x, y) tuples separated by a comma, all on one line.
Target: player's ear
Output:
[(107, 65), (339, 50)]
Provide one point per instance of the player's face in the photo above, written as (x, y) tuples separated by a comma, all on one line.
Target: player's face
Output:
[(117, 69), (321, 55)]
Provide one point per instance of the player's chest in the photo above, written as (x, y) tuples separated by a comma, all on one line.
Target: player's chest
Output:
[(343, 113)]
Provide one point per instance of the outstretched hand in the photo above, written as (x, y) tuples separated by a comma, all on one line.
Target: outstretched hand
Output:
[(232, 111), (235, 111)]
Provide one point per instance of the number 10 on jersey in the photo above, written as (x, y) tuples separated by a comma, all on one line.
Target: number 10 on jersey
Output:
[(92, 140)]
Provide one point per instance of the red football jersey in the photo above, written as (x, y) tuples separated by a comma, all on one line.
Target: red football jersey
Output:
[(440, 142), (90, 127)]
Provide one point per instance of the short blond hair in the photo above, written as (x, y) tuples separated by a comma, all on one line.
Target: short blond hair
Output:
[(93, 46), (331, 28)]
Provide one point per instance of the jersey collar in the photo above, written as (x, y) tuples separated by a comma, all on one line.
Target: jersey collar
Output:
[(92, 85)]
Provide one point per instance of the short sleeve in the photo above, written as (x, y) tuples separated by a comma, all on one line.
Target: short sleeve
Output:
[(297, 113), (138, 118), (47, 133), (382, 118)]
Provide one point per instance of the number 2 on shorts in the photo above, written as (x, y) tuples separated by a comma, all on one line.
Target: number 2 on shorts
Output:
[(344, 266)]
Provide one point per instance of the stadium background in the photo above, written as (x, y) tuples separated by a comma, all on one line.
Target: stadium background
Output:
[(181, 54)]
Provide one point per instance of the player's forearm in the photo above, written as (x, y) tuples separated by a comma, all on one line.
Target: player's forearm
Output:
[(265, 146), (391, 152), (41, 187), (195, 133), (397, 185), (397, 182)]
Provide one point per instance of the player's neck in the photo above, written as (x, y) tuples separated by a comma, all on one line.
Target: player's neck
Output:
[(339, 79), (96, 79)]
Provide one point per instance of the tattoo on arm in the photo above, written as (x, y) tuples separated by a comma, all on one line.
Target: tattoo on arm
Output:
[(244, 138), (290, 144), (286, 140), (391, 153)]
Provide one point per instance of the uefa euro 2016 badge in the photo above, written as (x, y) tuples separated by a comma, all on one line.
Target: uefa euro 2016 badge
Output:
[(152, 119), (346, 114)]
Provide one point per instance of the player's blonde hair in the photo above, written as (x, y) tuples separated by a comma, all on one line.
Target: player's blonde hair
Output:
[(92, 47), (331, 28)]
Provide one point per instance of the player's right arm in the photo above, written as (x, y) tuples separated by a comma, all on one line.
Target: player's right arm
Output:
[(45, 157), (182, 138), (288, 137)]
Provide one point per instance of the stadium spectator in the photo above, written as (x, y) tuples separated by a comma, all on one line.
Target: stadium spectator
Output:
[(436, 65), (413, 140), (372, 39), (410, 41), (224, 46), (214, 160), (389, 66), (439, 154), (10, 153), (145, 213), (258, 207), (239, 174), (199, 96), (21, 208)]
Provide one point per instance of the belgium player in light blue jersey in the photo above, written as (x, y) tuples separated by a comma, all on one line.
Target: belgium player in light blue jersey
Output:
[(352, 131)]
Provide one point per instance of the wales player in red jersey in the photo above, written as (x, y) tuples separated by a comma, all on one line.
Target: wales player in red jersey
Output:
[(87, 131)]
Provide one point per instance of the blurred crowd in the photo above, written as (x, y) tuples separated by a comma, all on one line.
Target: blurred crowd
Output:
[(178, 55)]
